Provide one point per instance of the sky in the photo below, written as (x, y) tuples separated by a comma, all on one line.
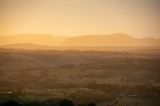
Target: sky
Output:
[(139, 18)]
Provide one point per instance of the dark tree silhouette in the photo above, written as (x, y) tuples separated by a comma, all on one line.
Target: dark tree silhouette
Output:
[(53, 101), (66, 102), (91, 104), (11, 103), (45, 103), (82, 104), (34, 103)]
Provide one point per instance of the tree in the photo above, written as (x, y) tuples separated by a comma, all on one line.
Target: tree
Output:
[(11, 103), (66, 102), (91, 104)]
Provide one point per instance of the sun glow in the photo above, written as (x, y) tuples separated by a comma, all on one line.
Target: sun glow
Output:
[(138, 18)]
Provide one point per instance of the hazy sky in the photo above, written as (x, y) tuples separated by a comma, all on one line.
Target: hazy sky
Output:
[(139, 18)]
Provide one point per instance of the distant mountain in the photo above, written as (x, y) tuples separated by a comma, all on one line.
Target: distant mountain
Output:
[(118, 39), (32, 39), (29, 41), (27, 46)]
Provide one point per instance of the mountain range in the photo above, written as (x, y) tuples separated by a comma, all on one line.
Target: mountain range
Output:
[(47, 42)]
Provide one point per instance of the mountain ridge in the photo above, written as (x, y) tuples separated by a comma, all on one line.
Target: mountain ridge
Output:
[(50, 42)]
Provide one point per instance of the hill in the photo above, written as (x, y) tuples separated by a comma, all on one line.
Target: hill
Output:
[(44, 69)]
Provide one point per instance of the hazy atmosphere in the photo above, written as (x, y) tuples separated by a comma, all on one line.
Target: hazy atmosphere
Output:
[(79, 53), (139, 18)]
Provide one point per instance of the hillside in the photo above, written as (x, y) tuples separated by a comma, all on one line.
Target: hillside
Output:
[(46, 68)]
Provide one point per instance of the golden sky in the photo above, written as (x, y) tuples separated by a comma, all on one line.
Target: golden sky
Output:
[(139, 18)]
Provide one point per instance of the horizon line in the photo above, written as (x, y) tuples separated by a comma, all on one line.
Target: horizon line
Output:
[(76, 35)]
